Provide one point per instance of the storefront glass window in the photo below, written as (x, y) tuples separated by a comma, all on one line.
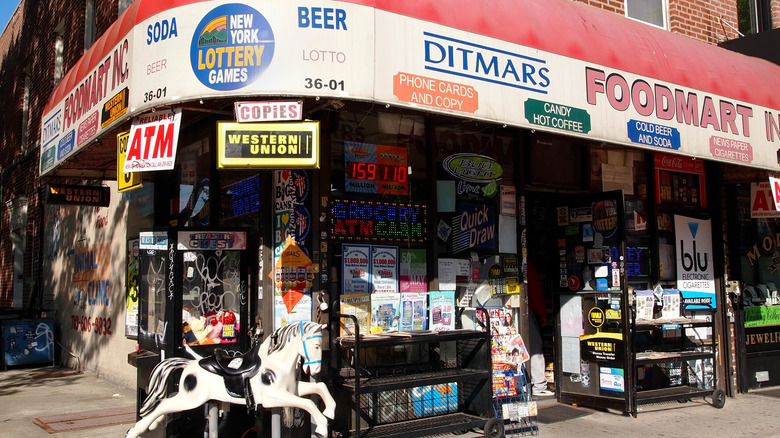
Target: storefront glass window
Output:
[(239, 198), (194, 185)]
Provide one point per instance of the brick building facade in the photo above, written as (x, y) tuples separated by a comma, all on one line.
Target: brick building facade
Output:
[(27, 60), (29, 65)]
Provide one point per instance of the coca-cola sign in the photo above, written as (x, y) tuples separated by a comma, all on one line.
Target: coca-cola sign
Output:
[(679, 163)]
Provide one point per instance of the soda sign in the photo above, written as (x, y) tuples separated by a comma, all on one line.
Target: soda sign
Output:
[(153, 141)]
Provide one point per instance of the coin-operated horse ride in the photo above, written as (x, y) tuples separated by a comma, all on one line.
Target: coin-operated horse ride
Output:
[(265, 375)]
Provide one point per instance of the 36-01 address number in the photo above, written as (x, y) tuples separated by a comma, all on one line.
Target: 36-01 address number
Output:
[(319, 84)]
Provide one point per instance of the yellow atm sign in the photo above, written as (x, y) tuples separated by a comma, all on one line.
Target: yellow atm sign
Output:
[(125, 180), (269, 145)]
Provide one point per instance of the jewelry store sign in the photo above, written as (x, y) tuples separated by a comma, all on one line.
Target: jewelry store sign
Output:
[(268, 145)]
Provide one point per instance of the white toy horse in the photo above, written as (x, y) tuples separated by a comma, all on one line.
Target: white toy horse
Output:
[(265, 375)]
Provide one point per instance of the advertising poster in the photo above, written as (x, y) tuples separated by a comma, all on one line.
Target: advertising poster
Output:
[(358, 305), (474, 227), (291, 223), (301, 311), (385, 311), (384, 268), (695, 261), (291, 217), (413, 271), (414, 311), (293, 276), (133, 273), (442, 309), (356, 268), (612, 379)]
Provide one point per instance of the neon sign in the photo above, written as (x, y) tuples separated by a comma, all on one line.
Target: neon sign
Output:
[(378, 221)]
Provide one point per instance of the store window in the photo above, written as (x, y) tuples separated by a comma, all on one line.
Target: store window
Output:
[(25, 108), (754, 16), (239, 198), (59, 52), (380, 218), (192, 207), (89, 24), (648, 11), (122, 5), (477, 224)]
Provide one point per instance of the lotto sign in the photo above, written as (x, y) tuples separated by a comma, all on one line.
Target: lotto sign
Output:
[(231, 47), (153, 141)]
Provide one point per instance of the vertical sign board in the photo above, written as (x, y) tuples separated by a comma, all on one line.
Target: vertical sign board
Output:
[(695, 270), (124, 180)]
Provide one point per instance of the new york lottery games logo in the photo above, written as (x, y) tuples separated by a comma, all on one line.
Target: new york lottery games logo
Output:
[(231, 47)]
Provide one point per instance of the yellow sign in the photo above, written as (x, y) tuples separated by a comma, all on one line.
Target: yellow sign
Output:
[(596, 317), (269, 145), (124, 180)]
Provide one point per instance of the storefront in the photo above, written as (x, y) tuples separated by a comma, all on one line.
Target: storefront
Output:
[(375, 149)]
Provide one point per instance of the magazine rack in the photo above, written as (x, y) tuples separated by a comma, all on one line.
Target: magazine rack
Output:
[(675, 358), (411, 384)]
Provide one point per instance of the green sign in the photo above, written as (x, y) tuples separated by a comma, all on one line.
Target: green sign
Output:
[(760, 316), (557, 116)]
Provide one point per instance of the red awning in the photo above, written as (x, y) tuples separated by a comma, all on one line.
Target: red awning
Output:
[(137, 12), (575, 30), (563, 27)]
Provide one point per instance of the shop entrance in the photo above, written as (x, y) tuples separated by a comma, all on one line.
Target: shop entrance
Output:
[(577, 243)]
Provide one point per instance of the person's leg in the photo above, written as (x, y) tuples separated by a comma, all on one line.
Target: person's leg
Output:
[(538, 381)]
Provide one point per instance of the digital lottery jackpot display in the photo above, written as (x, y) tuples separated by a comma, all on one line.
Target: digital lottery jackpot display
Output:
[(371, 168)]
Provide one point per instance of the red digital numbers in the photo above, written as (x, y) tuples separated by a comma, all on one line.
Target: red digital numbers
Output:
[(374, 172)]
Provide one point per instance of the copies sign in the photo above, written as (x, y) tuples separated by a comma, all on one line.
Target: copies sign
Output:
[(268, 111), (153, 141)]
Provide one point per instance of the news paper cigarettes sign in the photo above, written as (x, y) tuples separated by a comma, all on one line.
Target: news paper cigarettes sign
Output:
[(153, 141)]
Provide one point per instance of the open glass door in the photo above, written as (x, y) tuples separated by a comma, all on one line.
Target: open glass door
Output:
[(593, 364)]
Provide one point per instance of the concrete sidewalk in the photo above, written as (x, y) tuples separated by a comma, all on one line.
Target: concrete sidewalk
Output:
[(29, 393)]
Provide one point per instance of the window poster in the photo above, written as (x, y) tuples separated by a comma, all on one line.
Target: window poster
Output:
[(385, 311), (356, 264), (441, 311), (384, 268), (413, 271), (359, 306), (414, 311), (301, 311)]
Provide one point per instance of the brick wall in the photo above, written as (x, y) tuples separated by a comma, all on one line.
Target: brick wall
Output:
[(701, 19), (27, 47), (698, 19)]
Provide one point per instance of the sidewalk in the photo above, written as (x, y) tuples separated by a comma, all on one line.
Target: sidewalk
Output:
[(49, 392), (29, 393)]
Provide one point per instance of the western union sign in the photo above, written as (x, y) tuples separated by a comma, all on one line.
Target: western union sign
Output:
[(269, 145)]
